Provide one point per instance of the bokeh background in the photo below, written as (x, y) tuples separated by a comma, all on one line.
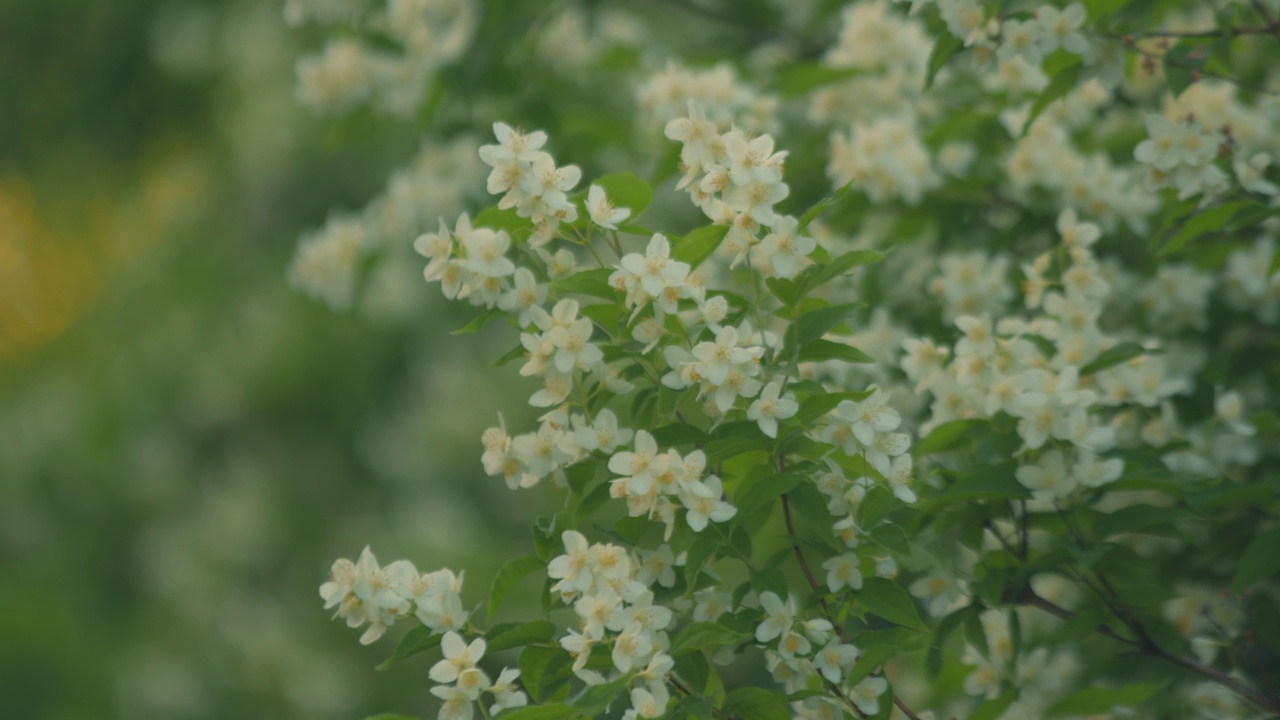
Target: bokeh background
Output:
[(186, 443)]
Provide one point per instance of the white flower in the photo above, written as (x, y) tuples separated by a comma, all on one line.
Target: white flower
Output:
[(833, 659), (458, 658), (899, 477), (768, 409), (603, 213), (644, 704), (1047, 480), (778, 617), (457, 704), (703, 504), (505, 692), (1061, 28), (794, 644), (631, 646), (1250, 173), (784, 245), (572, 569), (938, 590), (843, 571), (866, 694), (638, 468), (1229, 407)]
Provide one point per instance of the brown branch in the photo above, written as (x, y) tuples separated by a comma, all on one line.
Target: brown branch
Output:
[(1197, 72), (1270, 19), (826, 610), (1148, 645), (719, 712), (1221, 32)]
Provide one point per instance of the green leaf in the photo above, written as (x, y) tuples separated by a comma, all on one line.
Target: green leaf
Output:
[(765, 491), (554, 711), (869, 661), (946, 626), (875, 506), (508, 575), (1101, 701), (1058, 87), (947, 436), (815, 276), (492, 217), (514, 353), (887, 600), (798, 79), (1260, 561), (546, 542), (1202, 223), (700, 635), (783, 289), (417, 640), (1178, 67), (694, 670), (820, 350), (891, 537), (1097, 9), (718, 451), (946, 46), (703, 548), (625, 190), (992, 709), (390, 716), (1113, 356), (679, 434), (699, 244), (588, 282), (816, 323), (543, 669), (818, 208), (815, 407), (477, 323), (992, 483), (538, 631), (595, 700), (1136, 517), (753, 703)]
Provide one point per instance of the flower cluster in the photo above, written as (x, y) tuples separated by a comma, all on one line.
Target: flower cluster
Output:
[(610, 593), (665, 96), (885, 158), (1052, 368), (365, 592), (562, 440), (656, 278), (425, 34), (650, 480), (736, 180), (722, 370), (890, 53), (1180, 155), (527, 179), (459, 667), (327, 262)]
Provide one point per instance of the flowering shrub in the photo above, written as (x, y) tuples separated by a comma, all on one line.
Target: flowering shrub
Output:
[(976, 426)]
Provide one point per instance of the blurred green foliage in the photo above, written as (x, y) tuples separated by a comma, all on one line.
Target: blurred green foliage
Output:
[(185, 444)]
